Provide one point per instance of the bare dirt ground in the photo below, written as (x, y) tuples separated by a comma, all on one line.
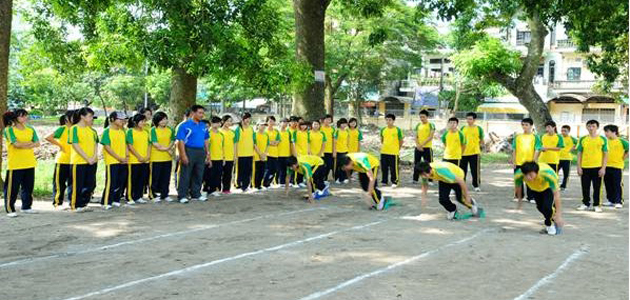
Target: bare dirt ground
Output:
[(265, 246)]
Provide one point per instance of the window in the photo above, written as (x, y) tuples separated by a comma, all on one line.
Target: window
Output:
[(541, 70), (600, 114), (435, 60), (574, 73), (552, 71), (565, 117), (523, 37), (436, 70)]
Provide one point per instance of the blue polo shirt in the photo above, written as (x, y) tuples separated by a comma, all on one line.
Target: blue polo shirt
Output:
[(194, 135)]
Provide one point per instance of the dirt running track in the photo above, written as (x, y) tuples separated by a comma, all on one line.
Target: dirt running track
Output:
[(265, 246)]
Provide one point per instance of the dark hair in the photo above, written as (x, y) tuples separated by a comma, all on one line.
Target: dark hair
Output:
[(453, 119), (243, 117), (305, 123), (550, 123), (292, 161), (294, 119), (567, 127), (528, 120), (144, 110), (62, 120), (300, 119), (84, 111), (284, 120), (313, 122), (112, 116), (215, 119), (344, 160), (187, 112), (390, 116), (10, 117), (341, 121), (592, 122), (225, 118), (196, 107), (158, 117), (205, 121), (471, 114), (353, 120), (529, 167), (424, 112), (423, 167), (612, 128), (328, 117), (133, 121), (270, 118)]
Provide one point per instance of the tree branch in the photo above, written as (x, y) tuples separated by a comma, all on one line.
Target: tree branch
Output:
[(534, 50)]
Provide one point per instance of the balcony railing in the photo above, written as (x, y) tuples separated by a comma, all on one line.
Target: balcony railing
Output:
[(567, 43), (579, 85)]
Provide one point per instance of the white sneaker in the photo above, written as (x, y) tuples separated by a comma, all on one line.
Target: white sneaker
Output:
[(515, 199), (431, 183), (29, 211), (532, 201), (598, 209), (107, 207), (551, 230), (168, 199), (216, 194), (337, 181), (12, 215), (477, 189), (583, 207), (203, 198), (141, 201), (263, 188), (381, 203), (183, 200), (116, 204), (474, 208), (131, 203), (346, 181), (618, 205), (157, 200), (326, 182), (80, 210), (302, 185), (451, 215), (609, 204), (394, 186)]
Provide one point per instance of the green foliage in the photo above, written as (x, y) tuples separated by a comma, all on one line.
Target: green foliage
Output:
[(489, 57), (158, 86)]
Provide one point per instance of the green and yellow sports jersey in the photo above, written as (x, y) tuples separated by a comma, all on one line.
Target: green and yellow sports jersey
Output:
[(592, 149), (300, 138), (363, 162), (61, 135), (115, 139), (550, 141), (446, 172), (262, 142), (525, 146), (87, 139), (229, 138), (392, 137), (328, 133), (617, 148), (453, 142), (147, 126), (474, 138), (308, 164), (341, 140), (245, 139), (354, 140), (163, 136), (139, 140), (546, 178), (569, 142), (316, 140), (19, 158), (284, 147), (217, 139), (423, 131), (274, 136)]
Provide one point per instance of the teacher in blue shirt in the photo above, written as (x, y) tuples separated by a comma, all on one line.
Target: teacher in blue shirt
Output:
[(193, 137)]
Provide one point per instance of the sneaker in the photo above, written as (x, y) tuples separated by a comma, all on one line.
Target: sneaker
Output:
[(477, 189), (157, 200), (107, 207), (381, 203), (346, 181), (431, 183), (141, 201), (168, 199), (216, 194), (532, 201), (451, 215), (131, 203), (12, 215), (226, 192), (474, 208), (337, 181), (202, 198), (551, 230), (116, 204), (583, 207), (562, 189), (29, 211), (394, 186), (80, 210), (183, 200), (302, 185), (598, 209), (326, 182), (618, 205), (609, 204), (515, 199), (263, 188)]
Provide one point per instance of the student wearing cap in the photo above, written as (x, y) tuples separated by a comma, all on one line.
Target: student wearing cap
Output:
[(193, 139), (273, 152), (61, 176), (116, 156), (261, 150), (162, 141)]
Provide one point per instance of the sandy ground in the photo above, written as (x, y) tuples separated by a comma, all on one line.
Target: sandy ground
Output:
[(271, 247)]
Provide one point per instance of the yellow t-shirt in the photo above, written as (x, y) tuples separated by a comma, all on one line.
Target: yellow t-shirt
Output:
[(274, 136), (164, 137), (61, 135), (354, 140), (392, 137), (300, 138), (216, 145), (316, 140), (592, 150), (308, 164), (115, 139), (245, 139), (87, 139), (446, 172), (423, 131), (525, 146), (474, 137), (551, 157), (546, 178), (262, 142), (328, 133), (19, 158), (363, 162), (284, 147), (569, 142), (617, 148), (139, 140), (453, 142), (229, 138), (341, 140)]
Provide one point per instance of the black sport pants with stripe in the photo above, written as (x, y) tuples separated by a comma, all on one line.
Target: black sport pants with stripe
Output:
[(425, 155), (62, 180), (226, 175), (614, 185), (565, 166), (136, 180), (389, 165), (19, 181), (544, 204), (365, 182), (160, 178), (474, 162), (115, 183), (444, 193), (83, 184), (591, 176)]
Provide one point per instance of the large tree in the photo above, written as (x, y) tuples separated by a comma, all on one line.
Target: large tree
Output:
[(6, 15)]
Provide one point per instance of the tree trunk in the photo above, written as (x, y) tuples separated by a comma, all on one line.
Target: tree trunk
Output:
[(309, 40), (183, 93), (6, 14), (458, 91), (328, 96)]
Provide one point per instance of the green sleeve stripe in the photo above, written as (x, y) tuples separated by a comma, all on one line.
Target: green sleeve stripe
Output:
[(518, 178), (462, 138), (416, 128), (35, 137), (381, 132), (481, 136), (560, 141), (154, 138), (105, 140), (360, 136), (605, 146), (75, 135), (432, 126), (538, 143), (59, 132), (514, 141), (446, 174), (129, 137), (574, 140), (624, 143), (444, 137), (580, 147), (400, 135)]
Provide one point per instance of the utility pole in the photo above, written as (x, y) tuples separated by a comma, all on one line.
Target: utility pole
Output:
[(146, 94)]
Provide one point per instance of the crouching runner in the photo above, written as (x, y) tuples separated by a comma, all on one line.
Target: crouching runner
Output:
[(313, 170), (450, 177), (367, 167), (543, 182)]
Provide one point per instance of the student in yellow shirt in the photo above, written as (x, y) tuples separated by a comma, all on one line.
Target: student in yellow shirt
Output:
[(294, 126), (301, 147), (139, 145), (61, 176), (472, 152), (284, 151), (340, 150), (312, 169), (525, 148), (22, 139), (317, 142), (543, 181), (83, 158), (162, 142), (367, 167), (329, 145), (271, 170), (424, 133), (565, 155), (244, 137), (116, 156), (148, 114), (454, 143), (552, 143), (261, 150), (354, 136), (391, 142), (214, 168), (617, 154), (450, 177), (229, 149), (592, 161)]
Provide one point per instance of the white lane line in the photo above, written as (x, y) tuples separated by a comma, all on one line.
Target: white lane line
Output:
[(151, 238), (389, 268), (223, 260), (549, 278)]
